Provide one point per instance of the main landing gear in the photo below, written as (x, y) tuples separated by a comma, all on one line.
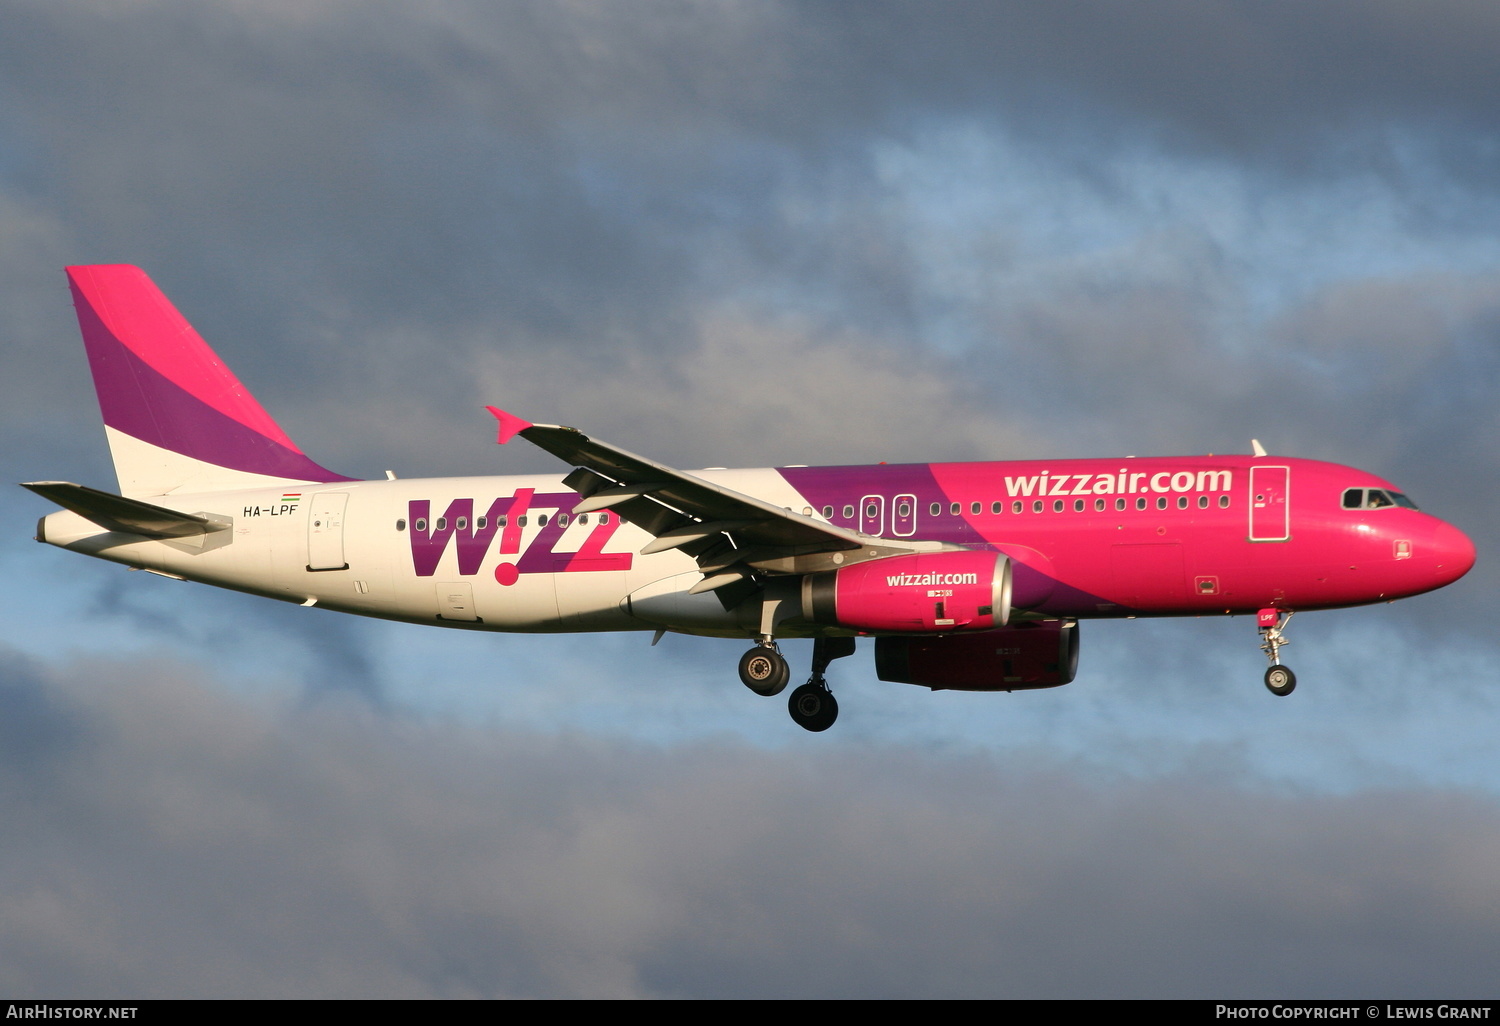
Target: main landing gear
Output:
[(764, 670), (1280, 680)]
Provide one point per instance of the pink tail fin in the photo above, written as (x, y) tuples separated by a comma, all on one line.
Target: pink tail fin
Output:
[(177, 417)]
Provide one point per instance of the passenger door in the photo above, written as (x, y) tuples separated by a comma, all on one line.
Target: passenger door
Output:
[(1270, 504), (325, 531)]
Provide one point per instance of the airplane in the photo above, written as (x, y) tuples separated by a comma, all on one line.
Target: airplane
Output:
[(968, 576)]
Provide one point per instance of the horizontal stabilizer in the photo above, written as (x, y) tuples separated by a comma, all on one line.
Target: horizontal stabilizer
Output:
[(117, 513)]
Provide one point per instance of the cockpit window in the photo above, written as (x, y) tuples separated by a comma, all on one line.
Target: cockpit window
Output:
[(1375, 498)]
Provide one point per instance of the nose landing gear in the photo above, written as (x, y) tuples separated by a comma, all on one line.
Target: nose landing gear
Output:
[(1280, 680)]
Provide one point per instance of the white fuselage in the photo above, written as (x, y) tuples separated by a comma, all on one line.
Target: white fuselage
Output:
[(417, 550)]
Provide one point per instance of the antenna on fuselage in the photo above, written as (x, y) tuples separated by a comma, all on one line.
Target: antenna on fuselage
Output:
[(1256, 448)]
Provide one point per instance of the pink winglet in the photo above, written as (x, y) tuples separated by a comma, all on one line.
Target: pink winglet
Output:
[(510, 424)]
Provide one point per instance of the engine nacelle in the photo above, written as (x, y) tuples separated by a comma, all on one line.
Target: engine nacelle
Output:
[(925, 591), (1039, 654)]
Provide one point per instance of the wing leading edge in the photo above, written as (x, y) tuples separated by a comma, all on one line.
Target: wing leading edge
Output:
[(729, 533)]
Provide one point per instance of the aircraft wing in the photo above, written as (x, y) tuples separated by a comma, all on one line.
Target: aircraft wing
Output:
[(728, 532)]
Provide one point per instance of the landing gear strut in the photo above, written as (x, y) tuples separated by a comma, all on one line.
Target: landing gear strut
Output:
[(1280, 680), (813, 706)]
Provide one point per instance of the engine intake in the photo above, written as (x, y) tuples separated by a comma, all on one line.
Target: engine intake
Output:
[(923, 592)]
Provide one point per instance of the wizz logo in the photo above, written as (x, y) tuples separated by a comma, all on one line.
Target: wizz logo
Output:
[(927, 580), (472, 537)]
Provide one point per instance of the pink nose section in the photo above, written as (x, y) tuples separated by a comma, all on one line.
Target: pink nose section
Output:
[(1455, 552)]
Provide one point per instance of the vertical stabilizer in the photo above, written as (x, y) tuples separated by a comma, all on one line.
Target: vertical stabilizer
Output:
[(177, 418)]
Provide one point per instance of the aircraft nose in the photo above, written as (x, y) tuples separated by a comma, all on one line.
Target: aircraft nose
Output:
[(1455, 552)]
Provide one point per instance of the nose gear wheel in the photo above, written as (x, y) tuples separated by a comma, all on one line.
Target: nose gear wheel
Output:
[(1280, 680)]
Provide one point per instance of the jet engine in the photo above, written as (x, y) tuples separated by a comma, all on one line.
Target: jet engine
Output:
[(924, 591), (1036, 654)]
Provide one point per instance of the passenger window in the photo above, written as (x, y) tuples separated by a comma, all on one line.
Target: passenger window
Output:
[(849, 511), (420, 524), (583, 518), (1223, 502), (521, 520), (442, 523), (1120, 505), (953, 508), (562, 520), (1036, 506), (1077, 505), (1203, 502), (603, 518), (1017, 506), (935, 509), (997, 507), (463, 523), (1057, 505), (500, 520), (1161, 503), (1140, 503), (401, 525), (541, 520), (481, 522), (827, 512), (1098, 505), (974, 508), (903, 510), (1182, 502)]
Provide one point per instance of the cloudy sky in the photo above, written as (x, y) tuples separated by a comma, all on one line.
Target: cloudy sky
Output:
[(728, 233)]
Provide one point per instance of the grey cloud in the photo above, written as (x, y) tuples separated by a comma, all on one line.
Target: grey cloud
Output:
[(230, 630), (850, 400), (203, 845), (38, 727), (1262, 80), (373, 201), (678, 226)]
